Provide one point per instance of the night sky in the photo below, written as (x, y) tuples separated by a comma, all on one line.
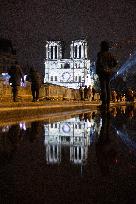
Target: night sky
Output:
[(30, 23)]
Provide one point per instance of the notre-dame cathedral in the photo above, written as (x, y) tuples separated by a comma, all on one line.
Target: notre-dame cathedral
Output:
[(71, 71)]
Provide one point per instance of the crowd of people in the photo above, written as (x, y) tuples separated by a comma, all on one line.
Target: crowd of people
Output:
[(88, 93), (105, 66), (128, 95)]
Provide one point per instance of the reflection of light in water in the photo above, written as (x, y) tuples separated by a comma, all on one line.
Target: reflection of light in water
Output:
[(98, 127), (90, 123), (5, 129), (66, 128), (92, 134), (73, 133), (125, 138), (22, 125), (23, 84)]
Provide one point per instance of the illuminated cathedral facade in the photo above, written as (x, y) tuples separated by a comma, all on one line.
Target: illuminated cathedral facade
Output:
[(71, 72), (74, 134)]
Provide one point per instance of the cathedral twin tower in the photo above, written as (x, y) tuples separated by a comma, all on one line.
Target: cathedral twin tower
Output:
[(67, 71), (78, 50)]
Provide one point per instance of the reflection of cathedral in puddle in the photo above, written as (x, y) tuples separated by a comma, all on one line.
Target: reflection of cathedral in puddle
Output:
[(72, 133)]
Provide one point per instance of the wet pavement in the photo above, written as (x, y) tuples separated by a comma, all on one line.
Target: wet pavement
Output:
[(13, 112), (80, 156)]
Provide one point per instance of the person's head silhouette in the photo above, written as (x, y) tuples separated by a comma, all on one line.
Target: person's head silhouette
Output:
[(105, 45)]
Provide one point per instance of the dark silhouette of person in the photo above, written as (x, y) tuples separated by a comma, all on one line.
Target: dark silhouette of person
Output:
[(85, 93), (129, 111), (105, 150), (104, 66), (81, 117), (16, 75), (81, 92), (89, 93), (93, 93), (35, 79), (14, 136), (129, 95), (35, 131)]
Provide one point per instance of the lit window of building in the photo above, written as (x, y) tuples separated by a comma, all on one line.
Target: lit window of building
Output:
[(51, 78)]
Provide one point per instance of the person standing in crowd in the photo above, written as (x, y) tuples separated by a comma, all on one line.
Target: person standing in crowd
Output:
[(129, 95), (81, 92), (104, 69), (85, 93), (93, 93), (35, 79), (16, 75), (89, 93)]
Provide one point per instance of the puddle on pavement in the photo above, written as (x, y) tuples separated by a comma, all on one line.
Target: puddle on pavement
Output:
[(84, 157)]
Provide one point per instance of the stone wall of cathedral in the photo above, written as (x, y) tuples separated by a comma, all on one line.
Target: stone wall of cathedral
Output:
[(71, 72)]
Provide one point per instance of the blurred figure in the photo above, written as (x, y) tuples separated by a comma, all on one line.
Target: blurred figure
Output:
[(129, 95), (16, 75), (81, 92), (114, 96), (105, 151), (93, 93), (81, 117), (134, 94), (104, 69), (119, 97), (14, 136), (89, 93), (85, 93), (114, 112), (35, 79), (35, 131), (129, 111), (123, 97)]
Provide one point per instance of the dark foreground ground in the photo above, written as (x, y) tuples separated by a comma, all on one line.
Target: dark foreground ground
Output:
[(13, 112), (73, 156)]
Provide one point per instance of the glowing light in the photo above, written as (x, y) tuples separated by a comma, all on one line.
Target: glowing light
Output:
[(22, 126), (5, 129), (127, 65)]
